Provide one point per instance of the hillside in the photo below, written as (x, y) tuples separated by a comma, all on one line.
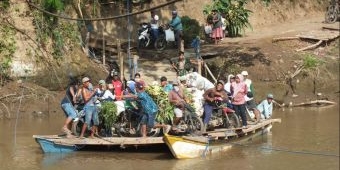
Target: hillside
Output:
[(44, 75)]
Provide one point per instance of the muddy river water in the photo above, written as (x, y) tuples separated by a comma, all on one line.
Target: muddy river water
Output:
[(307, 139)]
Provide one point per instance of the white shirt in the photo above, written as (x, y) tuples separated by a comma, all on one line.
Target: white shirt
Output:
[(154, 22)]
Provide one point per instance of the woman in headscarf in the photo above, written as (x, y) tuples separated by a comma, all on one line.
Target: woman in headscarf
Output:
[(227, 86), (239, 90)]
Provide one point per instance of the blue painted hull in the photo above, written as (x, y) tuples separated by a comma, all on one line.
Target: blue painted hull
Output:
[(51, 147)]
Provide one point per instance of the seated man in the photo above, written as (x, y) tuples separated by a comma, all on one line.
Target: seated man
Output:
[(210, 96), (266, 107)]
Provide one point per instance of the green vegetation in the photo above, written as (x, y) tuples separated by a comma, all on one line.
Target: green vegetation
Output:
[(311, 62), (191, 28), (49, 28), (165, 108), (108, 113), (7, 49), (235, 13), (4, 4)]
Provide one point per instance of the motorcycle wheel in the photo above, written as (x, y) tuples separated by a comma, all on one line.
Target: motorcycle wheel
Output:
[(231, 121), (250, 115), (160, 43), (331, 14), (122, 126), (195, 125)]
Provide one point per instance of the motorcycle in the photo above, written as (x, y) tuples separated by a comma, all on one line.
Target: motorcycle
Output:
[(144, 35), (190, 122), (166, 36), (129, 124), (223, 117)]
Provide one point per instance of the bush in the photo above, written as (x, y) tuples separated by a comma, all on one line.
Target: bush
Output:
[(235, 14), (191, 29)]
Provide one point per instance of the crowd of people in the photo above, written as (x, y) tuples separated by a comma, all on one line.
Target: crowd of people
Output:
[(237, 93)]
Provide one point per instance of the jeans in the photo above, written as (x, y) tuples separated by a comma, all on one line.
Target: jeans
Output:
[(91, 114), (154, 34), (208, 109), (241, 111), (69, 110), (149, 119)]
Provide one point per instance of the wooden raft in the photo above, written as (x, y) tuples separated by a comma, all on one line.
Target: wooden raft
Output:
[(101, 141), (236, 132), (323, 35)]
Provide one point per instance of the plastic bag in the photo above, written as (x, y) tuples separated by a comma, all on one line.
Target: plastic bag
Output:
[(208, 29), (169, 35)]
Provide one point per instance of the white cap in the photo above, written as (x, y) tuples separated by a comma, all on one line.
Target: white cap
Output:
[(245, 73), (85, 79)]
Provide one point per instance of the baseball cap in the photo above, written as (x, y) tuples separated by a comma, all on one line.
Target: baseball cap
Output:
[(174, 12), (270, 96), (220, 82), (245, 73), (85, 79), (101, 82), (139, 85)]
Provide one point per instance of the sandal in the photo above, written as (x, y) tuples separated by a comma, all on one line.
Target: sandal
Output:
[(66, 130)]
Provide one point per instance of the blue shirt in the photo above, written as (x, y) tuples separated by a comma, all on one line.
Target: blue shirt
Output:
[(176, 23), (265, 108), (167, 88), (148, 105)]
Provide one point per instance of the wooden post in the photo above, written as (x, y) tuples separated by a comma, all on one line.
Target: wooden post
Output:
[(135, 64), (199, 66), (182, 46), (121, 60), (104, 44), (87, 39)]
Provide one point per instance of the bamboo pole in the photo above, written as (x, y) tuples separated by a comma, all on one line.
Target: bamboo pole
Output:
[(121, 61), (182, 46), (103, 49), (135, 64), (199, 66)]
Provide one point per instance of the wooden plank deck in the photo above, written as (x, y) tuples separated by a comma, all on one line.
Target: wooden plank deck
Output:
[(110, 141), (102, 140), (225, 133)]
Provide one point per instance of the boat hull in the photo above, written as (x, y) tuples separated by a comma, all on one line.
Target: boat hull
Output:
[(48, 146), (187, 148)]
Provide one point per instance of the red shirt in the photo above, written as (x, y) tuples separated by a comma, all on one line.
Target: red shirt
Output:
[(118, 89)]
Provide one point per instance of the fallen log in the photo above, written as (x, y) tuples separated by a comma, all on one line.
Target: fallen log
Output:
[(315, 102), (311, 46), (284, 39)]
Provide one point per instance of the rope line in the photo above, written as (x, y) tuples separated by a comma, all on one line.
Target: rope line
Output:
[(105, 18)]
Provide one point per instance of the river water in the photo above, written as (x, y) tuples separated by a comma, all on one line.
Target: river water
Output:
[(307, 139)]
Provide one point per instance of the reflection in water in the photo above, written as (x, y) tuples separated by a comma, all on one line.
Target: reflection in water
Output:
[(312, 130)]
